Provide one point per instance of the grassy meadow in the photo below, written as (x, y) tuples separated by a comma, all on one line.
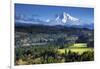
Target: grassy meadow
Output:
[(79, 48)]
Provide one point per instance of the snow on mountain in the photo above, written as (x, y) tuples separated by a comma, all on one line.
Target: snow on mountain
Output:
[(66, 18)]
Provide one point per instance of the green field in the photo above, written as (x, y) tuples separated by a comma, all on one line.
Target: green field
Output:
[(79, 45), (77, 48)]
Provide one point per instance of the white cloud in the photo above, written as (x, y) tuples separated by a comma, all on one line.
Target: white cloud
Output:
[(22, 21), (47, 20)]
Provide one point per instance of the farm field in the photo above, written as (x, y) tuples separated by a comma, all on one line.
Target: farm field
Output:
[(78, 45), (79, 48), (76, 50)]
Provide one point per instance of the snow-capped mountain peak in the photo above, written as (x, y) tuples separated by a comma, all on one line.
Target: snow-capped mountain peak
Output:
[(66, 17), (72, 18)]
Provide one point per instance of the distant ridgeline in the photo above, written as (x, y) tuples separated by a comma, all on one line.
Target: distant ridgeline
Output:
[(44, 34)]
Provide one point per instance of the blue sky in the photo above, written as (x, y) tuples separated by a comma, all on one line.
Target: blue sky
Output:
[(44, 12)]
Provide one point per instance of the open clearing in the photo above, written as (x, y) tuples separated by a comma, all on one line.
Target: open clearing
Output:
[(76, 50)]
